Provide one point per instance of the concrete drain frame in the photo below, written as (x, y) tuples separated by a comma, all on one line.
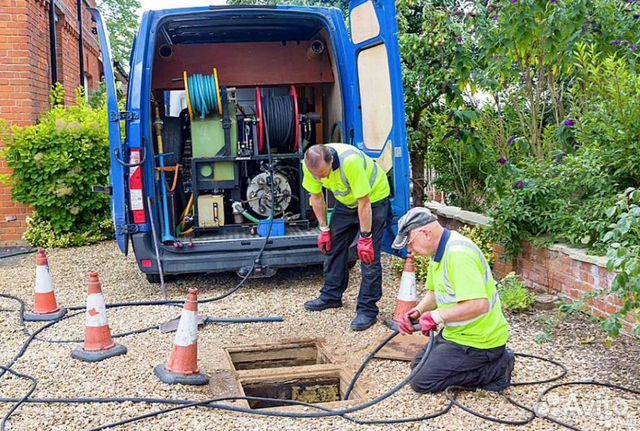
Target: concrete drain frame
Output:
[(300, 370)]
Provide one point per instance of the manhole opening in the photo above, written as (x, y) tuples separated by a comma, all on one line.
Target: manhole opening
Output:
[(309, 389), (277, 356)]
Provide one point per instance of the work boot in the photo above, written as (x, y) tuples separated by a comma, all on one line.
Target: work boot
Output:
[(362, 322), (504, 381), (320, 304)]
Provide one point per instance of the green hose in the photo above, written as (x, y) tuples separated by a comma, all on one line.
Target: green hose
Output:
[(203, 94), (250, 217)]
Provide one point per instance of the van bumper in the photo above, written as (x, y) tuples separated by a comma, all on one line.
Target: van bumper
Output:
[(231, 255)]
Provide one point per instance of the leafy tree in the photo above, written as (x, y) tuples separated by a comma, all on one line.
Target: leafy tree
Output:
[(435, 57), (121, 17)]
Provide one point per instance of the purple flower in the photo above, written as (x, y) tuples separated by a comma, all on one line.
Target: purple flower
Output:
[(512, 140), (460, 39), (519, 185), (514, 1), (496, 18), (503, 161), (633, 48), (570, 123), (553, 1), (616, 42), (636, 16)]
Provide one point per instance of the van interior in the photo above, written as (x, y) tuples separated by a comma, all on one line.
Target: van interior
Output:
[(236, 102)]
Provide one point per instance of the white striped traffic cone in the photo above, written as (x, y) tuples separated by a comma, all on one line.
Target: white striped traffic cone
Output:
[(98, 344), (45, 306), (183, 363), (407, 295)]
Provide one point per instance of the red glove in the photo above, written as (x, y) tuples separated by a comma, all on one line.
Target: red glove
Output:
[(324, 242), (430, 321), (365, 250), (405, 325)]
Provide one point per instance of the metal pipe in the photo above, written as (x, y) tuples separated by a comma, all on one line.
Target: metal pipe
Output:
[(81, 45), (53, 44)]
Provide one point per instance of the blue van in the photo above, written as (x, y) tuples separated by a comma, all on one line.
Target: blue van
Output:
[(221, 105)]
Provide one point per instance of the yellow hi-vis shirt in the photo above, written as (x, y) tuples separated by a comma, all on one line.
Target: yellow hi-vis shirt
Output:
[(459, 272), (354, 175)]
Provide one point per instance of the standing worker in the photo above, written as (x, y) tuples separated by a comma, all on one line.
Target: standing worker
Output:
[(462, 297), (361, 189)]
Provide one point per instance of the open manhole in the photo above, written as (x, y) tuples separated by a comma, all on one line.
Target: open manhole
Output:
[(314, 389), (290, 354), (295, 370)]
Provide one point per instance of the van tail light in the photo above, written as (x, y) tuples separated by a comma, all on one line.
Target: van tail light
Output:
[(136, 194)]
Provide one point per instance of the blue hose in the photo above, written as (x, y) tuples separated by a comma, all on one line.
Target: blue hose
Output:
[(203, 94)]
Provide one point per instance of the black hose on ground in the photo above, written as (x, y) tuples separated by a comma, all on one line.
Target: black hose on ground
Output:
[(22, 400), (325, 412), (17, 253)]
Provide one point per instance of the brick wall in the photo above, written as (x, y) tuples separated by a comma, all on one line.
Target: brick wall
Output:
[(25, 77), (558, 269), (565, 271)]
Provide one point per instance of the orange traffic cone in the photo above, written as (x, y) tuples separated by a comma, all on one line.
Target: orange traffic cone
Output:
[(407, 295), (183, 363), (98, 344), (45, 305)]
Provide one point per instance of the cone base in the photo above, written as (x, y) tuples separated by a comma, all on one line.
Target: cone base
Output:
[(38, 317), (170, 378), (86, 356)]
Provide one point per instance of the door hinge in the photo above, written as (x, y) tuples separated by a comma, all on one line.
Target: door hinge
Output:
[(123, 116), (127, 229)]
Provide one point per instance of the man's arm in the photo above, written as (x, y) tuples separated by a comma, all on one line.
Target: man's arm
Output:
[(465, 310), (428, 303), (364, 214), (319, 208)]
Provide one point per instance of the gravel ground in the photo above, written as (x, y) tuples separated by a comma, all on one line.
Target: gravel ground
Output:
[(578, 344)]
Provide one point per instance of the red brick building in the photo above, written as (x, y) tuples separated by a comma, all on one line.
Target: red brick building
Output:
[(27, 73)]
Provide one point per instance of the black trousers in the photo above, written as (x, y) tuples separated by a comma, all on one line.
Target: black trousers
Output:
[(451, 364), (345, 225)]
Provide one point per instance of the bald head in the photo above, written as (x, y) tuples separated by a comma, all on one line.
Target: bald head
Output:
[(317, 156)]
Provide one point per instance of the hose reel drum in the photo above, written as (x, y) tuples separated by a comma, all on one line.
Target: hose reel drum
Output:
[(258, 193)]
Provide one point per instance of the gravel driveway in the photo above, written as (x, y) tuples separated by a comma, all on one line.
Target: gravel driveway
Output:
[(579, 344)]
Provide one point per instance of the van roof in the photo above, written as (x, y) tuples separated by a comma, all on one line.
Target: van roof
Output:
[(220, 24)]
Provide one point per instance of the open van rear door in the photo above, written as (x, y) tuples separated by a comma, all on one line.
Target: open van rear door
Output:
[(118, 171), (377, 105)]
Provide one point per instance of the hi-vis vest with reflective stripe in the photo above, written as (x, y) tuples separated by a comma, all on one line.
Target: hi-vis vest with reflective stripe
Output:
[(486, 331), (343, 155), (338, 180)]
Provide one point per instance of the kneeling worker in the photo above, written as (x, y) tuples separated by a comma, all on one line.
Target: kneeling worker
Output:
[(361, 189), (462, 297)]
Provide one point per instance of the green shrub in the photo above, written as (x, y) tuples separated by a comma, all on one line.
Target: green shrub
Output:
[(623, 240), (421, 264), (514, 295), (40, 233), (565, 196), (56, 163), (480, 237)]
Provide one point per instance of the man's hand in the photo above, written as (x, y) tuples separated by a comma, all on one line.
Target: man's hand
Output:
[(430, 321), (366, 252), (405, 325), (324, 242)]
